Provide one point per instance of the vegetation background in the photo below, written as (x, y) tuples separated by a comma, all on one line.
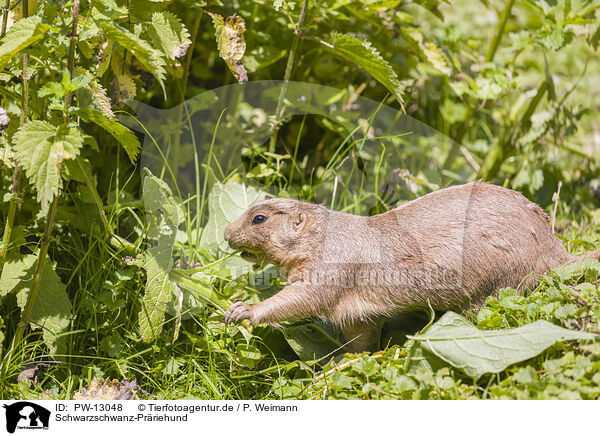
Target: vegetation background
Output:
[(512, 83)]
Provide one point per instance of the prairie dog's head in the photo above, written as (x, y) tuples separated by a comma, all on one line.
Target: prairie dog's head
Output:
[(278, 231)]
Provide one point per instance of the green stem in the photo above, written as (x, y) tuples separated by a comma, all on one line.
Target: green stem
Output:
[(287, 75), (41, 261), (186, 73), (5, 12), (499, 31), (72, 44), (35, 286)]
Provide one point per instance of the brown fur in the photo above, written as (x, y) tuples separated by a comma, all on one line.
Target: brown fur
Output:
[(449, 249)]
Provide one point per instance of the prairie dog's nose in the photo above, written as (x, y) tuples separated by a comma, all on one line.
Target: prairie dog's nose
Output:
[(227, 234)]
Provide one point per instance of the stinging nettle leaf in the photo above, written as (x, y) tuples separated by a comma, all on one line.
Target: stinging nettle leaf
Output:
[(458, 342), (21, 35), (169, 33), (158, 261), (231, 44), (363, 54), (149, 57), (226, 202), (121, 133), (52, 309), (100, 100), (40, 149)]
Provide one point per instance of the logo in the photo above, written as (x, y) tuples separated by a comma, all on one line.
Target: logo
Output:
[(26, 415)]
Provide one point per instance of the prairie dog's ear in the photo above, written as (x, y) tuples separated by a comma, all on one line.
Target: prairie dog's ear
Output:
[(300, 221)]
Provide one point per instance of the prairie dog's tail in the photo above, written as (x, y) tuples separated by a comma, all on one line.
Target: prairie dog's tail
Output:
[(590, 255)]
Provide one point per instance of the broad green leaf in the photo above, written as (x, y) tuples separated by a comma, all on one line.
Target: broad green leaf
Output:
[(163, 218), (52, 309), (231, 44), (226, 202), (121, 133), (21, 35), (363, 54), (458, 342), (40, 149), (311, 342), (149, 57), (15, 272), (79, 170), (169, 33)]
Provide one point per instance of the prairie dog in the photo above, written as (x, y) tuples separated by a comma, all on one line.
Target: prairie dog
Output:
[(449, 249)]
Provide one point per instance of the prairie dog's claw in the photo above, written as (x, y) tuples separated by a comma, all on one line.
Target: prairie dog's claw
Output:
[(237, 312)]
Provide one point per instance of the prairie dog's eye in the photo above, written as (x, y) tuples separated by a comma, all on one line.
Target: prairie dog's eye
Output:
[(259, 219)]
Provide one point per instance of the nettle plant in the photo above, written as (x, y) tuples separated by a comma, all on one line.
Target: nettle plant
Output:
[(66, 67), (56, 64)]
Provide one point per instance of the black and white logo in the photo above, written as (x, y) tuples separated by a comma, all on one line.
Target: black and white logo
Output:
[(26, 415)]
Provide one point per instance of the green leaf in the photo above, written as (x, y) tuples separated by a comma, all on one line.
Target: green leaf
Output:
[(108, 9), (435, 57), (426, 51), (226, 202), (52, 89), (79, 81), (40, 149), (149, 57), (311, 342), (582, 268), (14, 273), (231, 44), (458, 342), (93, 96), (248, 355), (20, 36), (363, 54), (158, 261), (121, 133), (169, 33), (52, 309)]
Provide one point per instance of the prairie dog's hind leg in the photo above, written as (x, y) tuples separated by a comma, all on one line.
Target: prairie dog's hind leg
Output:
[(360, 335)]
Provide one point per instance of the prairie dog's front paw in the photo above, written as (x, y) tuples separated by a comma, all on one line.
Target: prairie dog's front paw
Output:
[(237, 312)]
